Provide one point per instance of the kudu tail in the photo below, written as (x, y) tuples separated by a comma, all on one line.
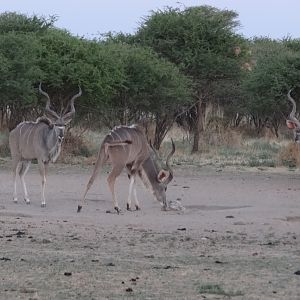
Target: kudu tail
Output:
[(102, 157)]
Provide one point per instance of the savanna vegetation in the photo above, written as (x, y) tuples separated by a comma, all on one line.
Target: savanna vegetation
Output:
[(185, 73)]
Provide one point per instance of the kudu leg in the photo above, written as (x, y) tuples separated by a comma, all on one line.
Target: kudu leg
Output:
[(90, 183), (16, 167), (43, 171), (24, 166), (132, 188), (137, 204), (111, 179)]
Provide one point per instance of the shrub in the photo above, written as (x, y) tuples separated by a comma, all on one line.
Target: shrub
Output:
[(4, 146)]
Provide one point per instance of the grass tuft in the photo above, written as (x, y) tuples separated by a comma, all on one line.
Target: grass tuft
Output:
[(215, 289)]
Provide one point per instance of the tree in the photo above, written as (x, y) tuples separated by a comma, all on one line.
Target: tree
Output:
[(151, 88), (33, 51), (203, 43), (276, 70), (19, 71), (69, 61)]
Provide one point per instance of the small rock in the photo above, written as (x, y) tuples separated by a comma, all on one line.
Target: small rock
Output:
[(45, 241), (182, 229), (219, 262), (5, 259), (68, 273), (129, 289), (27, 290), (229, 217), (239, 223), (297, 272), (20, 233)]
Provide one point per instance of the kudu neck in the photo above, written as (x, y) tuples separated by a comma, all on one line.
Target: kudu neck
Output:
[(54, 141)]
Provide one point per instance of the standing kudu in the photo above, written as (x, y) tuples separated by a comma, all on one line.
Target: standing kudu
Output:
[(293, 122), (127, 147), (39, 140)]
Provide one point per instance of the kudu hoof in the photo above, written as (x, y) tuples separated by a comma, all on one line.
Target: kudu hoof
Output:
[(79, 208), (15, 200), (43, 205), (27, 201), (136, 207), (118, 210)]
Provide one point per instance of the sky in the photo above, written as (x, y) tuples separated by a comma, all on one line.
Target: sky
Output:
[(270, 18)]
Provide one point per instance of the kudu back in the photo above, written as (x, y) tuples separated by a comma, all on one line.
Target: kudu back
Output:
[(41, 140), (127, 147)]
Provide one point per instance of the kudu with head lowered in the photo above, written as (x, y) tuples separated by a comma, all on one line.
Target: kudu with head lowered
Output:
[(127, 147), (39, 140), (292, 122)]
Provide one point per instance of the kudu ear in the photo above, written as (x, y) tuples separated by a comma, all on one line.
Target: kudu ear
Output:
[(67, 119), (290, 124), (162, 176)]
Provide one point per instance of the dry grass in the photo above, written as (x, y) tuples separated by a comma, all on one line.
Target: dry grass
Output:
[(227, 147), (289, 156)]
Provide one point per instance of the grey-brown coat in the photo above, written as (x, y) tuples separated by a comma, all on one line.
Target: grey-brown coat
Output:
[(127, 147), (39, 140)]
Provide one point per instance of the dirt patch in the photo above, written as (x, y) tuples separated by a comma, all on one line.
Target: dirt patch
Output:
[(238, 238)]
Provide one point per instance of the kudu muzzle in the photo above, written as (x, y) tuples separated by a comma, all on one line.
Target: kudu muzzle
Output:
[(60, 131)]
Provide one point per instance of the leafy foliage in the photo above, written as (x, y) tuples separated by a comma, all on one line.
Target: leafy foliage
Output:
[(203, 43), (179, 64), (276, 69)]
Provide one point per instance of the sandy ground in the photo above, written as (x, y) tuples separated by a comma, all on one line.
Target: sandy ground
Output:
[(239, 237)]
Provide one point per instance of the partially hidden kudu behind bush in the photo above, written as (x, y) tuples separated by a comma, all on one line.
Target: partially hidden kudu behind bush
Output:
[(39, 140), (293, 122), (127, 147)]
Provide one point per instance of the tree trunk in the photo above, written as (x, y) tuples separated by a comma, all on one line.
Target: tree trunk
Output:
[(162, 126), (198, 128)]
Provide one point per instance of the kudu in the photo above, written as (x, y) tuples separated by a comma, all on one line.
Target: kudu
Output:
[(127, 147), (293, 122), (39, 140)]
